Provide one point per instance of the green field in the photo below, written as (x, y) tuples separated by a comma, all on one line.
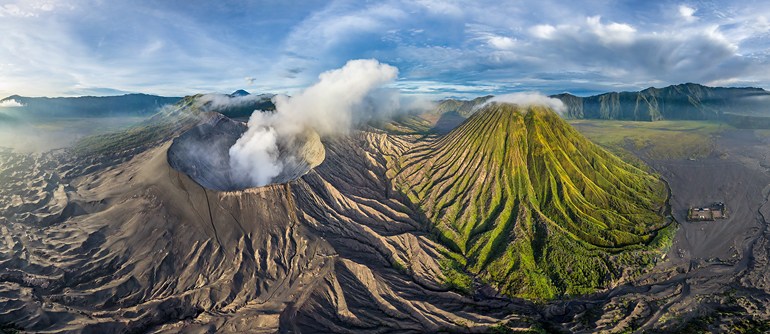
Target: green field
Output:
[(655, 140)]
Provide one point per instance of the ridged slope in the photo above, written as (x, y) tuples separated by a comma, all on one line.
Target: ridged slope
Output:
[(529, 204), (677, 102)]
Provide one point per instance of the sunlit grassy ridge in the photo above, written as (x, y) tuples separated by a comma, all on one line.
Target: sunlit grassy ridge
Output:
[(529, 205)]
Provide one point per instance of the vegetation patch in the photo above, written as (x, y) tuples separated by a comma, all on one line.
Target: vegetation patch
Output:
[(656, 140), (533, 208)]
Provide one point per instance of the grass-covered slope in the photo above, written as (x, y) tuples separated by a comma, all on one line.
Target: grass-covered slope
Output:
[(529, 205)]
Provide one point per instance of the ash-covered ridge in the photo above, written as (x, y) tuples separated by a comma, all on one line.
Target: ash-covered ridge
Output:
[(202, 153)]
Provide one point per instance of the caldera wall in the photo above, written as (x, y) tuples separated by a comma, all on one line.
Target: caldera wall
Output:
[(202, 153)]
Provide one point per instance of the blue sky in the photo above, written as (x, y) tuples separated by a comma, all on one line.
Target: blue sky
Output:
[(441, 48)]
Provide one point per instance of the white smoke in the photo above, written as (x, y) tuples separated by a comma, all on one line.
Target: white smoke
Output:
[(530, 99), (340, 98), (257, 147), (10, 104)]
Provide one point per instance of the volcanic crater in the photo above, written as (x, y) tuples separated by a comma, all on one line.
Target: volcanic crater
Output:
[(202, 153)]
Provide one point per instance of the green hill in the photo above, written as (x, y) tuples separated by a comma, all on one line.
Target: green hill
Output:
[(529, 205)]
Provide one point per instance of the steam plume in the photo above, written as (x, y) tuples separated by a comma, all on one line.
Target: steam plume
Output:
[(339, 99)]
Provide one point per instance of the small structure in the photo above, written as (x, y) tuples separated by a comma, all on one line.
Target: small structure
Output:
[(709, 213)]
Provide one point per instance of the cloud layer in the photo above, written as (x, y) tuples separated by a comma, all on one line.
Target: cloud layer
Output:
[(443, 48), (530, 99), (10, 104)]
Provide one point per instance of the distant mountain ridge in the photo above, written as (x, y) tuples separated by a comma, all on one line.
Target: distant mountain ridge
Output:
[(90, 106), (740, 106), (463, 107), (677, 102)]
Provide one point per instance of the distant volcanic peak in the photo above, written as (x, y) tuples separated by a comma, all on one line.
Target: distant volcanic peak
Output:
[(239, 92), (202, 153)]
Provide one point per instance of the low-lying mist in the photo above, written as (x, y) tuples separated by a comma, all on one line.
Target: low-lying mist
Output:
[(37, 134)]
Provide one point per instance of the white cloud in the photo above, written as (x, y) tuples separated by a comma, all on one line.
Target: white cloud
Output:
[(530, 99), (441, 7), (10, 104), (32, 8), (14, 11), (435, 87), (612, 32), (687, 13), (606, 33), (313, 41), (620, 52), (502, 42), (544, 31)]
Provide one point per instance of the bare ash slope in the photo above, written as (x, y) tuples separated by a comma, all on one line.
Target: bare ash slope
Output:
[(141, 247), (94, 246)]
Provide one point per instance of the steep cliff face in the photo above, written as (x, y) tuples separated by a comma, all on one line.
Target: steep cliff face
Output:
[(677, 102), (573, 104), (739, 106)]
